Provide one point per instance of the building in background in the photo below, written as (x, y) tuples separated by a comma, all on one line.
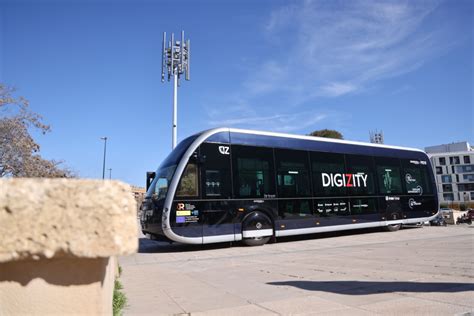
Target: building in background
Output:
[(453, 166), (138, 194)]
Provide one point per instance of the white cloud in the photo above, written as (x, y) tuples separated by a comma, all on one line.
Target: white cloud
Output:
[(335, 89), (340, 47), (259, 83), (287, 122), (326, 49)]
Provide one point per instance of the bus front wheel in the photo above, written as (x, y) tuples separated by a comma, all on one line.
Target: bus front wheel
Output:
[(257, 229)]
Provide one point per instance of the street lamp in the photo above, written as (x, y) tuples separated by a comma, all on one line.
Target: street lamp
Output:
[(110, 173), (105, 151)]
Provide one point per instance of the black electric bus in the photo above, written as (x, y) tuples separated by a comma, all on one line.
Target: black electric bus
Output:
[(229, 184)]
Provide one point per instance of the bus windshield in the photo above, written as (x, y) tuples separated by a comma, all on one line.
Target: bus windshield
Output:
[(159, 186), (175, 156)]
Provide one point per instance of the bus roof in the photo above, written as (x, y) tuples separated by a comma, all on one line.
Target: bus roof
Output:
[(304, 142), (321, 139)]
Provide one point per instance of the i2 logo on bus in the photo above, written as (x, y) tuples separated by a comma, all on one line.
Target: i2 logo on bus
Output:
[(224, 150)]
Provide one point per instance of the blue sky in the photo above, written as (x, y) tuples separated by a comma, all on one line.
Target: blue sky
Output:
[(92, 69)]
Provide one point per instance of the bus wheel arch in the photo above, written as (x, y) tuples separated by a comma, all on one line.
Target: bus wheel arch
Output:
[(257, 228), (392, 227)]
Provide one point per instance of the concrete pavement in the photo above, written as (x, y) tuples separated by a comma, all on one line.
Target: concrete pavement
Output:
[(422, 271)]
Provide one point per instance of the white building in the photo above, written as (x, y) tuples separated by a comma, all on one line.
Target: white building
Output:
[(453, 165)]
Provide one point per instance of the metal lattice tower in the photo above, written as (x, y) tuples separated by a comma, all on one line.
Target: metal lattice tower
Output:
[(376, 137), (175, 61)]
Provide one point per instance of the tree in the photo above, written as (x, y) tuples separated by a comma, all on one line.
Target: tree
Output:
[(19, 153), (328, 133)]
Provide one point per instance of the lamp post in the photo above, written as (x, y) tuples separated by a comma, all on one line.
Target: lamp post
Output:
[(110, 173), (105, 151)]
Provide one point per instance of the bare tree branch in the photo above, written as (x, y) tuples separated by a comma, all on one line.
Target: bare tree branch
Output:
[(19, 153)]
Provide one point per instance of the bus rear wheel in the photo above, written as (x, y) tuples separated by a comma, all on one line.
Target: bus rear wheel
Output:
[(257, 229), (256, 241), (392, 228)]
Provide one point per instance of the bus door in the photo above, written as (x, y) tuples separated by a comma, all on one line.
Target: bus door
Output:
[(420, 200), (390, 186), (392, 207), (218, 213), (361, 186)]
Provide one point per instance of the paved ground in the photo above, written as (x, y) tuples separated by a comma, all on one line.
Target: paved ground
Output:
[(418, 271)]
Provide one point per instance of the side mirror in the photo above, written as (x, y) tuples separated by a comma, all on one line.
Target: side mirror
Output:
[(150, 175)]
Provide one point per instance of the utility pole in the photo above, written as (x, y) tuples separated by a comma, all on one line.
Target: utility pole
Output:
[(105, 152), (175, 61)]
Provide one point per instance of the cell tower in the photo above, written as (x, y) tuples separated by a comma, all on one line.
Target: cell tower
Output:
[(376, 137), (175, 61)]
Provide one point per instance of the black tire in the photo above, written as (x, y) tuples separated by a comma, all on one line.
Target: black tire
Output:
[(392, 228), (152, 237), (256, 221), (256, 241)]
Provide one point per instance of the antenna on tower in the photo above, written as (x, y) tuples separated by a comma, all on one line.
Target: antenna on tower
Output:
[(376, 137), (175, 62), (163, 57)]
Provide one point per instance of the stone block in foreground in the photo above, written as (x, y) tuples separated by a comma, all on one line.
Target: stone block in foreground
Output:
[(59, 239), (45, 218)]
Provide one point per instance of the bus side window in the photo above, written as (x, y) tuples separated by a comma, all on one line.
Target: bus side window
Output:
[(328, 170), (361, 170), (388, 175), (415, 176), (213, 183), (215, 171), (188, 185), (254, 171), (292, 173)]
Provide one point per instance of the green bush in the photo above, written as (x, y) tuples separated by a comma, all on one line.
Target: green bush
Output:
[(119, 299)]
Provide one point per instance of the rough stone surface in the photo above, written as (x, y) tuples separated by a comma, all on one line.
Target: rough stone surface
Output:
[(45, 218), (57, 286)]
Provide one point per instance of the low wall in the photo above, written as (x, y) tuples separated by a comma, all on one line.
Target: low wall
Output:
[(452, 217), (59, 242)]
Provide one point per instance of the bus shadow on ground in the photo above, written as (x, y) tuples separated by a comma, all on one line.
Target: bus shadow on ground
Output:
[(152, 246), (325, 235), (377, 287), (146, 245)]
